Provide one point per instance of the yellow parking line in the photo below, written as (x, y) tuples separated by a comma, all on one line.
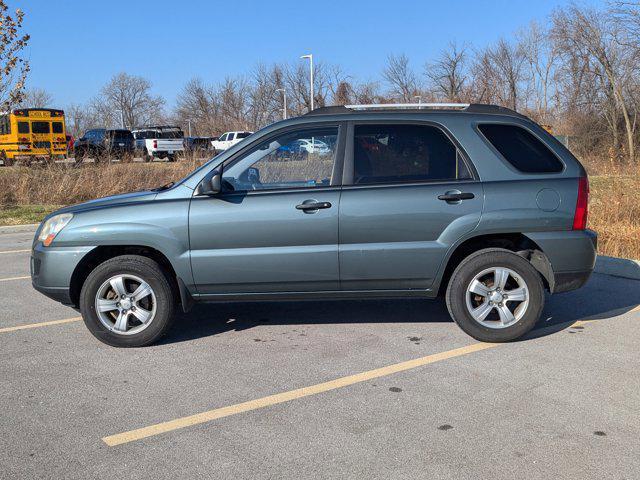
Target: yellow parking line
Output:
[(14, 251), (40, 324), (13, 278), (140, 433)]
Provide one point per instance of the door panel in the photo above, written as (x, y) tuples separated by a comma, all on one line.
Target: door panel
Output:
[(276, 228), (395, 237), (260, 242)]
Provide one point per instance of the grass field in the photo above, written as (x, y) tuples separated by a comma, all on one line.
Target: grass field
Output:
[(28, 194)]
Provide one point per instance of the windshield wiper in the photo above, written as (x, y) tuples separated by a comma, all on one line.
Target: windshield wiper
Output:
[(166, 186)]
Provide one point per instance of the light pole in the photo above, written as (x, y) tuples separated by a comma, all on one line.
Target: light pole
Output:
[(310, 57), (284, 101), (189, 122), (121, 117)]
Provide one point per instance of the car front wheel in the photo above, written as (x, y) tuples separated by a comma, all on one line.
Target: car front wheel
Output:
[(127, 301), (495, 295)]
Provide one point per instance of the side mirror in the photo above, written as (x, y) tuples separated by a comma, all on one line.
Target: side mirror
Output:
[(211, 184)]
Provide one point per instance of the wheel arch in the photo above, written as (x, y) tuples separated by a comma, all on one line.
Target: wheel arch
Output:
[(102, 253), (516, 242)]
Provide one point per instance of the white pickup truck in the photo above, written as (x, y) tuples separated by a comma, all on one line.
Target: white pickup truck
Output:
[(228, 139), (159, 142)]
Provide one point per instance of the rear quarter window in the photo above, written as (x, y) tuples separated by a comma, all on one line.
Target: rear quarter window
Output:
[(521, 148)]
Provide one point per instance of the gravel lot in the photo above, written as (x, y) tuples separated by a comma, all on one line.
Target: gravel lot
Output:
[(563, 403)]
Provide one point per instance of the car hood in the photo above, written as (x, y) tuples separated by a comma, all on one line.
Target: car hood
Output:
[(122, 199)]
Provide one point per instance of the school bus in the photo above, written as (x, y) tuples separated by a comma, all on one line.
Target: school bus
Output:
[(32, 134)]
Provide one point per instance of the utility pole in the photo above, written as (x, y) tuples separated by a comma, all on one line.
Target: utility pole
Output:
[(310, 57), (284, 101), (121, 117)]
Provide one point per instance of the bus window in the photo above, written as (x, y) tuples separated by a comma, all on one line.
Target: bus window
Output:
[(5, 125), (57, 127), (40, 127), (23, 127)]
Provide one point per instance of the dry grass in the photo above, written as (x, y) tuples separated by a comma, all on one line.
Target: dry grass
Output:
[(64, 184), (27, 194)]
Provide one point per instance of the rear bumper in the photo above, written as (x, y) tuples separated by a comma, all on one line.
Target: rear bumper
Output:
[(572, 255)]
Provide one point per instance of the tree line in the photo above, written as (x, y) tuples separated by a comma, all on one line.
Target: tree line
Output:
[(578, 71)]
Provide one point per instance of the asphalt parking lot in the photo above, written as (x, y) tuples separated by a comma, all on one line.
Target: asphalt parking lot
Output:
[(395, 390)]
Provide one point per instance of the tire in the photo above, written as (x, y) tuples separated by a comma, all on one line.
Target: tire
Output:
[(484, 266), (79, 155), (159, 305), (6, 162)]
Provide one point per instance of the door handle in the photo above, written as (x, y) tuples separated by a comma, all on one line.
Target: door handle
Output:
[(456, 196), (311, 205)]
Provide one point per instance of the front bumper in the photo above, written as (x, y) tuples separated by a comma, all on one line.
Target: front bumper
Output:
[(52, 269)]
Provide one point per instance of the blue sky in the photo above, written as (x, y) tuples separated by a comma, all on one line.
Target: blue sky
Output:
[(76, 46)]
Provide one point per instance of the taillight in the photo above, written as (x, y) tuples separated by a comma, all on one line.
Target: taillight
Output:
[(155, 144), (582, 205)]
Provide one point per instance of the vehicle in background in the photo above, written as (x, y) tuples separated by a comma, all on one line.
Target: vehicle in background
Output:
[(228, 139), (32, 134), (311, 145), (197, 145), (163, 141), (101, 144), (70, 141)]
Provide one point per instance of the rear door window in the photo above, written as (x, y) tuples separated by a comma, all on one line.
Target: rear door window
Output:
[(56, 127), (521, 148), (23, 127), (405, 153)]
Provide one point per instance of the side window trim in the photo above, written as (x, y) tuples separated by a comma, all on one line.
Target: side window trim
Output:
[(336, 174), (349, 171)]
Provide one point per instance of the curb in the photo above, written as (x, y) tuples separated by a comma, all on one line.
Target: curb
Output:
[(619, 267), (29, 227)]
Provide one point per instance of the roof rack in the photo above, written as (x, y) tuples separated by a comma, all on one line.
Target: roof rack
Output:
[(398, 106), (463, 107)]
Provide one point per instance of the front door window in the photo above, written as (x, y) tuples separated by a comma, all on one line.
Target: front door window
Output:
[(297, 159)]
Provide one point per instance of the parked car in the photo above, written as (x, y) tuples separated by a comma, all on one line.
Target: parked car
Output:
[(70, 141), (195, 145), (159, 142), (101, 143), (477, 203), (228, 139)]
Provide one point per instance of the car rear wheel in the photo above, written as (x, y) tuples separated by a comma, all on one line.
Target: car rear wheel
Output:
[(495, 295), (127, 301)]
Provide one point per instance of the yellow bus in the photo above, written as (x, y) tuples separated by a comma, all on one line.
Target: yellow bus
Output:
[(32, 134)]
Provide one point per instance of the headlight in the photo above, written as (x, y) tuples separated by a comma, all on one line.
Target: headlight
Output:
[(52, 227)]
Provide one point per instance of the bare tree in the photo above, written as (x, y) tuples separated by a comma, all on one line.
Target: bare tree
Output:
[(79, 119), (13, 68), (400, 77), (36, 98), (196, 104), (541, 58), (129, 96), (448, 74), (593, 37)]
